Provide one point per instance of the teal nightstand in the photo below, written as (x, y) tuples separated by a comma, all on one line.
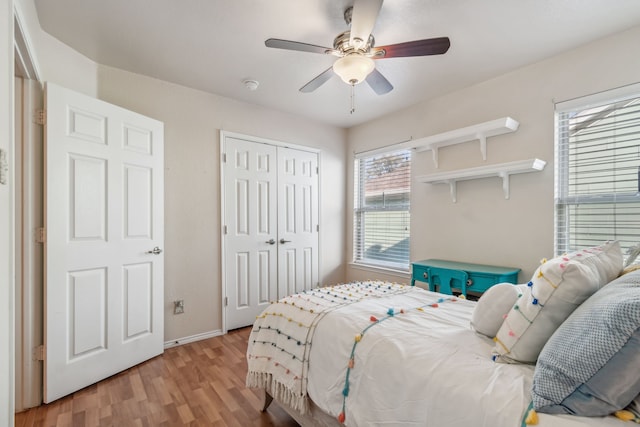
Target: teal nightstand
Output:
[(447, 275)]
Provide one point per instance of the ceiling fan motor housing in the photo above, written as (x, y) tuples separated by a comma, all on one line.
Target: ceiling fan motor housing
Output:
[(342, 44)]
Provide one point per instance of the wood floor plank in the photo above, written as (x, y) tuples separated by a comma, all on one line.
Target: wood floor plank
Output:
[(139, 392), (195, 384)]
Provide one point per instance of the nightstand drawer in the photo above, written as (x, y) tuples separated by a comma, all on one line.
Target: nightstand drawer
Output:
[(444, 276)]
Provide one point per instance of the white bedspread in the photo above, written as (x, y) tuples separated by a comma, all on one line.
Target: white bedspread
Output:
[(421, 366)]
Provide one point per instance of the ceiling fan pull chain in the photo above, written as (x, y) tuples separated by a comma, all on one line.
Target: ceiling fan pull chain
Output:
[(353, 98)]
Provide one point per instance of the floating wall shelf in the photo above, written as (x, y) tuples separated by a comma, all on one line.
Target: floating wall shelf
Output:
[(478, 132), (502, 170)]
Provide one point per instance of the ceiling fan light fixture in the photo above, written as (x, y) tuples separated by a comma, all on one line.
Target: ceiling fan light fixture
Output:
[(353, 68)]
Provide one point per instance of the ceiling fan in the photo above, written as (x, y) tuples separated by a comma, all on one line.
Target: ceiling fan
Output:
[(356, 50)]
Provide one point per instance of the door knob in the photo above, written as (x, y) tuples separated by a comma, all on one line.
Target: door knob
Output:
[(155, 251), (271, 242), (282, 241)]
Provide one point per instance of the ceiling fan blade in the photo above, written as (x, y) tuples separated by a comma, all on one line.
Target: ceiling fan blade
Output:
[(379, 83), (290, 45), (435, 46), (318, 81), (363, 18)]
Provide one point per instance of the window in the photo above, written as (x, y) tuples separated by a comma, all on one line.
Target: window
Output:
[(381, 209), (598, 171)]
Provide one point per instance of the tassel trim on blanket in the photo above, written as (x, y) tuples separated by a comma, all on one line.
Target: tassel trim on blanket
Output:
[(278, 391)]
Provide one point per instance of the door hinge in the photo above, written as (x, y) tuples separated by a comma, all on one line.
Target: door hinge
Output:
[(38, 353), (41, 235), (40, 117), (224, 157), (224, 229), (317, 170), (226, 301), (318, 227)]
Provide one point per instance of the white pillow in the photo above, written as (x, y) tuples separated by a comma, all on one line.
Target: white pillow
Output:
[(557, 288), (492, 307)]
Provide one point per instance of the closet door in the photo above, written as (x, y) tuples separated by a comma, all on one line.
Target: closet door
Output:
[(250, 255), (297, 220), (270, 223)]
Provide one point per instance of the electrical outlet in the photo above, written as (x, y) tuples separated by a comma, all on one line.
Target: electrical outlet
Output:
[(178, 306)]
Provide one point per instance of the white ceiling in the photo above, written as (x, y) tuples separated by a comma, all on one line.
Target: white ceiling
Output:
[(213, 45)]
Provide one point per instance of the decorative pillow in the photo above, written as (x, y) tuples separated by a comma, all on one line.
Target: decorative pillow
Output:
[(589, 367), (557, 287), (492, 307)]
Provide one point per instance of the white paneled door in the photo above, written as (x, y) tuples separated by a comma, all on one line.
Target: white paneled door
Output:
[(104, 236), (297, 221), (271, 225)]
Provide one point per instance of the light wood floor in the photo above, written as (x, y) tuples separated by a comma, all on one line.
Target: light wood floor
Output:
[(196, 384)]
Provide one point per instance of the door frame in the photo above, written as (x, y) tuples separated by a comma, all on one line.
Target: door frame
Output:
[(222, 145), (27, 265), (29, 251), (7, 202)]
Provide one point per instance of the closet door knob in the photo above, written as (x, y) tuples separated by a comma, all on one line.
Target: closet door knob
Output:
[(271, 242), (282, 241)]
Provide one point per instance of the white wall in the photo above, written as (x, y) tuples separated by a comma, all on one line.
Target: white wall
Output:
[(6, 219), (482, 226)]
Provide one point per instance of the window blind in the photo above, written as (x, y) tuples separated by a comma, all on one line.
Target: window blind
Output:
[(382, 186), (598, 173)]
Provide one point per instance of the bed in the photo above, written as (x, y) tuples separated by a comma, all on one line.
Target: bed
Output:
[(384, 354)]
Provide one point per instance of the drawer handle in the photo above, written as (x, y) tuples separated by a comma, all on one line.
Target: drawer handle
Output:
[(425, 275), (469, 282)]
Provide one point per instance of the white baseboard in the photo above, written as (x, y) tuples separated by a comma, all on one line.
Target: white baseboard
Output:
[(192, 338)]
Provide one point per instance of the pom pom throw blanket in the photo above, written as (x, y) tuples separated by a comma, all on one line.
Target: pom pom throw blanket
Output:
[(281, 338)]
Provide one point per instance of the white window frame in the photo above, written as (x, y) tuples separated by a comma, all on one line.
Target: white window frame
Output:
[(563, 197), (361, 209)]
